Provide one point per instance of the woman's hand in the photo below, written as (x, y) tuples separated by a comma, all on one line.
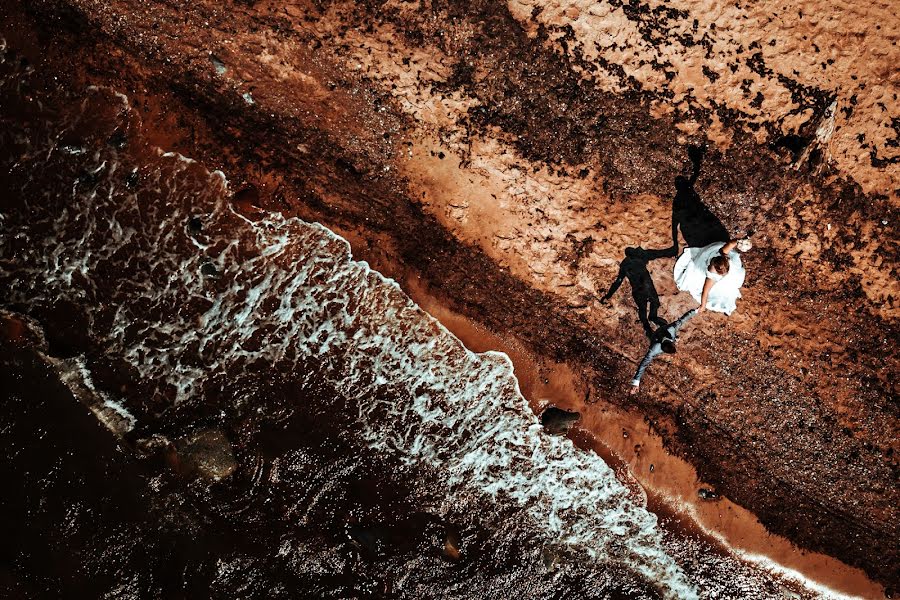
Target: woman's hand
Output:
[(701, 308)]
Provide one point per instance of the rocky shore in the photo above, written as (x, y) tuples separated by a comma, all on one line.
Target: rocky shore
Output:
[(503, 156)]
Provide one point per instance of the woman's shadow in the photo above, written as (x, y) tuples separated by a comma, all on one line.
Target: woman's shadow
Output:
[(699, 227)]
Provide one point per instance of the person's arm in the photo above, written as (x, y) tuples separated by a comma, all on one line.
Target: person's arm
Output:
[(683, 319), (731, 245), (654, 351), (707, 285)]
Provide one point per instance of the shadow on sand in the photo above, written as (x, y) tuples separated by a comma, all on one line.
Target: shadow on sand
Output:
[(634, 268), (699, 227)]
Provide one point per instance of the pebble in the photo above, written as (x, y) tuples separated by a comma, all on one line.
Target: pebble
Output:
[(206, 453), (558, 421), (707, 494)]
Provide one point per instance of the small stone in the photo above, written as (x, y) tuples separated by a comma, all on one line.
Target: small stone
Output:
[(209, 269), (707, 494), (452, 545), (558, 421), (551, 558), (369, 540), (218, 65), (206, 453)]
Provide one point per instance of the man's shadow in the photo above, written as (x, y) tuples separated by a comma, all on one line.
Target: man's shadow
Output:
[(699, 227), (634, 268)]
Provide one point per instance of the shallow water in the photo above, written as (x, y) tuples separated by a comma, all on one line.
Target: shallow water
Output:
[(366, 439)]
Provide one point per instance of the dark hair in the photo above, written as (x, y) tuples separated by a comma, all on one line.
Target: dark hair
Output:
[(719, 264), (668, 346)]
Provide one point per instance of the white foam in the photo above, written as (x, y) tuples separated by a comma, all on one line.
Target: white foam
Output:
[(108, 410)]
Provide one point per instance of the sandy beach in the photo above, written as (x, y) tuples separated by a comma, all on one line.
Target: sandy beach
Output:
[(497, 160)]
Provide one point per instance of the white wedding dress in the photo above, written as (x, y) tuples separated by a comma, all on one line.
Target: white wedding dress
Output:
[(692, 269)]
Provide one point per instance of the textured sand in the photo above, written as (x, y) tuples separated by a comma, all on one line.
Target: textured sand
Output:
[(762, 63)]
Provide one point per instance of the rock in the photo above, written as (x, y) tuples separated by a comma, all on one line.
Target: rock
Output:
[(209, 269), (218, 65), (14, 329), (195, 225), (152, 445), (109, 410), (558, 421), (369, 540), (206, 453), (707, 494), (551, 558), (452, 545)]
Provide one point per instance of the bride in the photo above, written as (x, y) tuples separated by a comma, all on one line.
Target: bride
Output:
[(713, 274)]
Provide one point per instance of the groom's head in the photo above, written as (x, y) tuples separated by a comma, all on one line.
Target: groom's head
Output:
[(668, 346)]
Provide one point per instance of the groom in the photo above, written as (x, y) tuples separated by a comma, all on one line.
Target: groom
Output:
[(662, 340)]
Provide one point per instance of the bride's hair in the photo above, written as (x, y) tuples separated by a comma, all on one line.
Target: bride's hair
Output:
[(719, 264)]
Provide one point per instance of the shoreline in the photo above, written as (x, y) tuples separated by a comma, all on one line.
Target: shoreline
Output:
[(340, 211), (630, 447)]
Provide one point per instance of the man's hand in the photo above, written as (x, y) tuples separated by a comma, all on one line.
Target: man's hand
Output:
[(633, 390), (604, 301)]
